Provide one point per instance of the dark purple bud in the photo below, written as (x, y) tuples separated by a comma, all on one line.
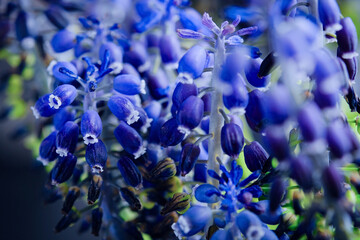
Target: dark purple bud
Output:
[(123, 109), (333, 182), (301, 172), (269, 64), (129, 196), (66, 221), (129, 139), (249, 224), (255, 156), (63, 169), (277, 142), (154, 134), (169, 133), (96, 156), (238, 98), (277, 193), (143, 123), (183, 91), (158, 84), (311, 122), (62, 117), (253, 112), (329, 13), (192, 64), (189, 155), (72, 195), (338, 140), (153, 109), (137, 56), (66, 139), (42, 107), (94, 189), (60, 76), (351, 65), (96, 220), (232, 140), (347, 38), (56, 17), (170, 49), (129, 172), (163, 170), (251, 72), (115, 51), (63, 40), (278, 104), (21, 28), (91, 127), (179, 202), (62, 96), (190, 114), (47, 150), (129, 84)]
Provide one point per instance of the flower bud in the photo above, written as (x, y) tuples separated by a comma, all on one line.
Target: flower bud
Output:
[(250, 225), (91, 127), (169, 133), (60, 76), (333, 182), (347, 39), (338, 140), (179, 202), (129, 172), (62, 96), (351, 65), (193, 221), (163, 170), (207, 193), (129, 84), (170, 49), (277, 142), (42, 107), (73, 194), (63, 169), (311, 122), (192, 64), (277, 193), (190, 114), (158, 84), (165, 224), (61, 117), (94, 189), (96, 156), (190, 19), (301, 172), (189, 154), (129, 139), (128, 194), (62, 41), (47, 149), (238, 98), (123, 109), (181, 92), (232, 139), (66, 139), (96, 220), (329, 13), (66, 221), (251, 72), (255, 156), (268, 65), (253, 112)]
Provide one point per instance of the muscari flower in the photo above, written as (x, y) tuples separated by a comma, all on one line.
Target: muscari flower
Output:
[(63, 169), (251, 73), (47, 149), (42, 107), (192, 64), (96, 156), (62, 116), (189, 154), (169, 133), (94, 189), (96, 220), (255, 156), (129, 84), (63, 40), (60, 76), (232, 139), (67, 138), (158, 84), (62, 96), (123, 109), (347, 39), (329, 13), (72, 195), (190, 114), (129, 172), (91, 127)]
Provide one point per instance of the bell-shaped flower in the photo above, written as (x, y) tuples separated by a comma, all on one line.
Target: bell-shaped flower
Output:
[(311, 122), (251, 72), (42, 107), (183, 91), (47, 149), (60, 76), (63, 40), (192, 64), (232, 139), (63, 169), (61, 117), (129, 84), (62, 96), (158, 84), (91, 126), (347, 39), (190, 114), (123, 109), (329, 13), (170, 48), (169, 133), (189, 155), (255, 156), (129, 172), (67, 138), (96, 156)]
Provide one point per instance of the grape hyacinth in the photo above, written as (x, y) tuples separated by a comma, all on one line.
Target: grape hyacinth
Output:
[(172, 124)]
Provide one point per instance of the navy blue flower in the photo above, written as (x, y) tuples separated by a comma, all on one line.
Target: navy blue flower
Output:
[(91, 127), (129, 84), (169, 133), (62, 96), (63, 40), (277, 142), (232, 139), (42, 107), (129, 139), (158, 84), (192, 64), (255, 156), (190, 114), (61, 117), (47, 150), (301, 172), (170, 49), (63, 169), (338, 140), (329, 13), (189, 154), (311, 122), (96, 220), (96, 156), (181, 92), (333, 182), (129, 172), (238, 99), (123, 109), (67, 138), (253, 112)]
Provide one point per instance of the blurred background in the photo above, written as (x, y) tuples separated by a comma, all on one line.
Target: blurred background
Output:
[(23, 213)]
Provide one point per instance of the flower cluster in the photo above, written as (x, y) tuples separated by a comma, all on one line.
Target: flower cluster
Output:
[(170, 125)]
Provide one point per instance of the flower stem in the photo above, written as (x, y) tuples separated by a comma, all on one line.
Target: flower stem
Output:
[(216, 120)]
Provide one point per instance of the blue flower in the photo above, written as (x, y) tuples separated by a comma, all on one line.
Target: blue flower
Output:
[(63, 40), (129, 172), (67, 138), (63, 169), (123, 109), (96, 156), (91, 126)]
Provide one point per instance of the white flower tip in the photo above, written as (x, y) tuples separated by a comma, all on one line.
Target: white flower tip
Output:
[(349, 55), (142, 87), (144, 67), (44, 161), (63, 152), (50, 67), (35, 112), (133, 117), (97, 168), (90, 139), (185, 78), (54, 101), (139, 152), (184, 130)]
